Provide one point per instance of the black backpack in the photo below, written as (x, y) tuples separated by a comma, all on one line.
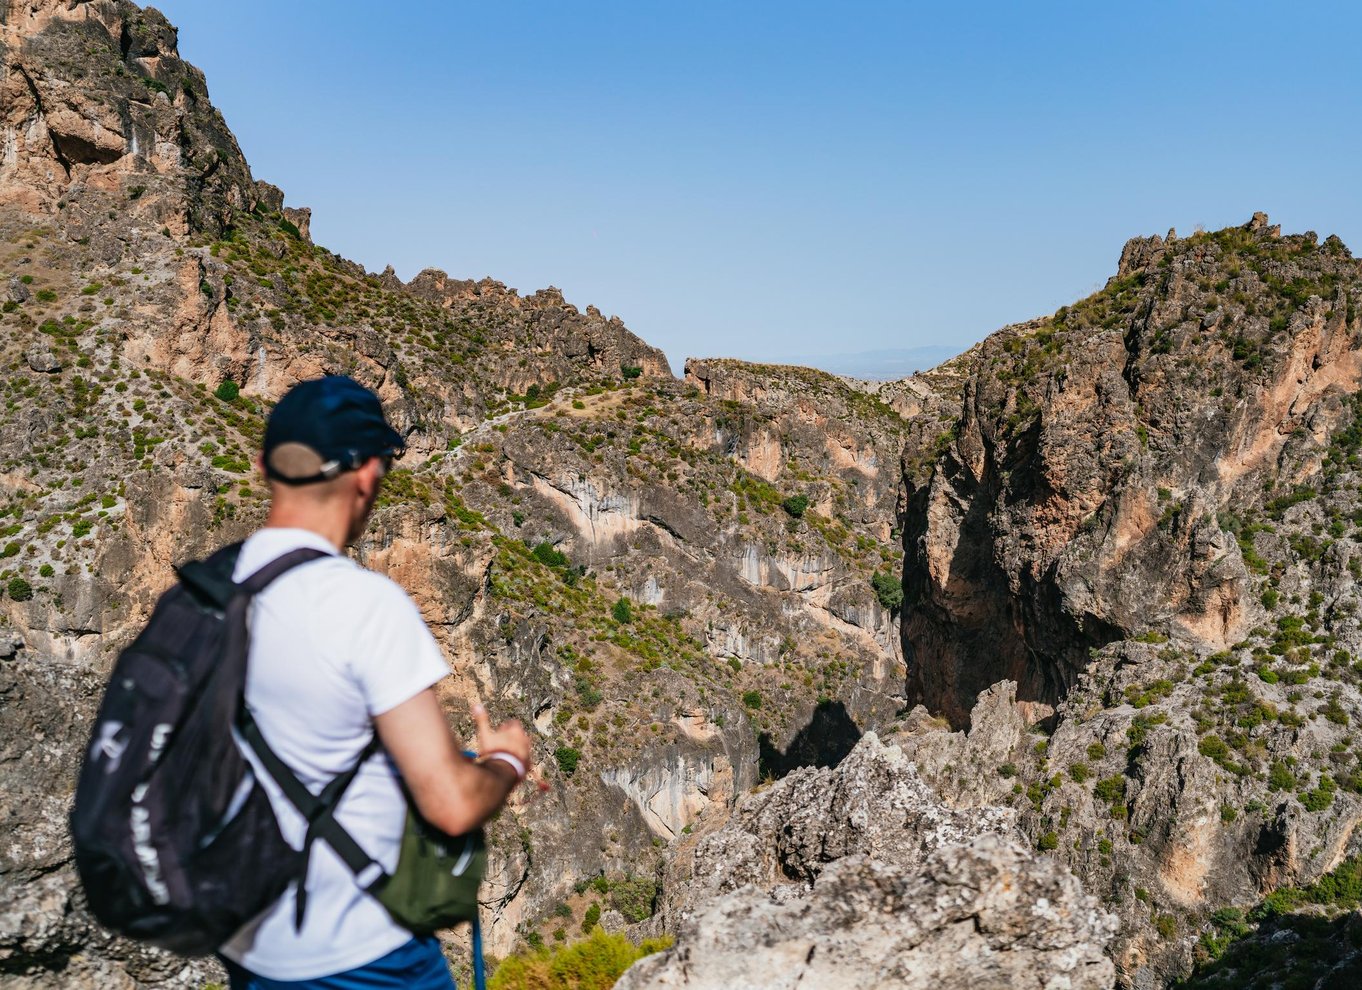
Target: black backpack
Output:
[(175, 840)]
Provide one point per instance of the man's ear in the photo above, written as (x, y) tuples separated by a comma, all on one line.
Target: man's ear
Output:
[(368, 476)]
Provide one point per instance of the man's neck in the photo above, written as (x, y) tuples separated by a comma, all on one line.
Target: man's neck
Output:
[(333, 530)]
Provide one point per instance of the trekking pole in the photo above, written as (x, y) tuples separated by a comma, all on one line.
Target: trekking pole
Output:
[(479, 967)]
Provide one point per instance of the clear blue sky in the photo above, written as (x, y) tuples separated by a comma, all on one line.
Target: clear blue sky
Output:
[(762, 179)]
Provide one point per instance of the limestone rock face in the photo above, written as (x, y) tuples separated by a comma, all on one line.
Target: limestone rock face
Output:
[(94, 94), (1079, 499), (1142, 518), (859, 876)]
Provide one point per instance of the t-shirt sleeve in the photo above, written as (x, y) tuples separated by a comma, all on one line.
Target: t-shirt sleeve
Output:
[(394, 657)]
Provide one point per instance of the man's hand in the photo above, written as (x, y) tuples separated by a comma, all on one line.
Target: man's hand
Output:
[(451, 791), (509, 737)]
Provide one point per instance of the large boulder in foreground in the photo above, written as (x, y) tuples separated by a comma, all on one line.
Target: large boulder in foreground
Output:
[(858, 876), (987, 914)]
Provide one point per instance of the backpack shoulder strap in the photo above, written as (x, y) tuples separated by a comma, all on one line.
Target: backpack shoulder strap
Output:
[(278, 567), (319, 811), (210, 580)]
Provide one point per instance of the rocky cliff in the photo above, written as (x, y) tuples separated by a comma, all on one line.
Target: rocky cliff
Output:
[(1145, 515), (1083, 494)]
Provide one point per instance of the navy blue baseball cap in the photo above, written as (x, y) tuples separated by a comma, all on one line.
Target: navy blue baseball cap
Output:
[(323, 427)]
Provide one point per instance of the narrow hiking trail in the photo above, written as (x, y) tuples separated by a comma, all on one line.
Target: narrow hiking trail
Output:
[(562, 401)]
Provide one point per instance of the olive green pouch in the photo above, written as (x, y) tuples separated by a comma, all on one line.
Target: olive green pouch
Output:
[(436, 881)]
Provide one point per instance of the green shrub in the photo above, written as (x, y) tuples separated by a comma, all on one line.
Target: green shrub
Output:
[(547, 554), (1110, 789), (10, 549), (228, 391), (1334, 712), (46, 571), (592, 918), (634, 897), (1280, 777), (594, 963), (630, 370), (1047, 842), (19, 589), (236, 465), (1320, 797), (623, 612), (1213, 747), (567, 758), (587, 692), (888, 590), (796, 505), (752, 699)]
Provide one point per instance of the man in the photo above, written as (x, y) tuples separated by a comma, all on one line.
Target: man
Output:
[(338, 653)]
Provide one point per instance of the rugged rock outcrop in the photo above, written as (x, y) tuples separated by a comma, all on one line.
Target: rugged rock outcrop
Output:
[(96, 97), (1081, 496), (988, 914), (546, 317), (858, 876)]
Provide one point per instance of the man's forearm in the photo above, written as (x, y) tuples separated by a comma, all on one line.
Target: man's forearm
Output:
[(489, 784)]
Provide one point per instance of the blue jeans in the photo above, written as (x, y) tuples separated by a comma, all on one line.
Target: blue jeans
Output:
[(418, 965)]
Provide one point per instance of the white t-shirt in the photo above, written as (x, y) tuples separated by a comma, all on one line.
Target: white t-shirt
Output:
[(332, 645)]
